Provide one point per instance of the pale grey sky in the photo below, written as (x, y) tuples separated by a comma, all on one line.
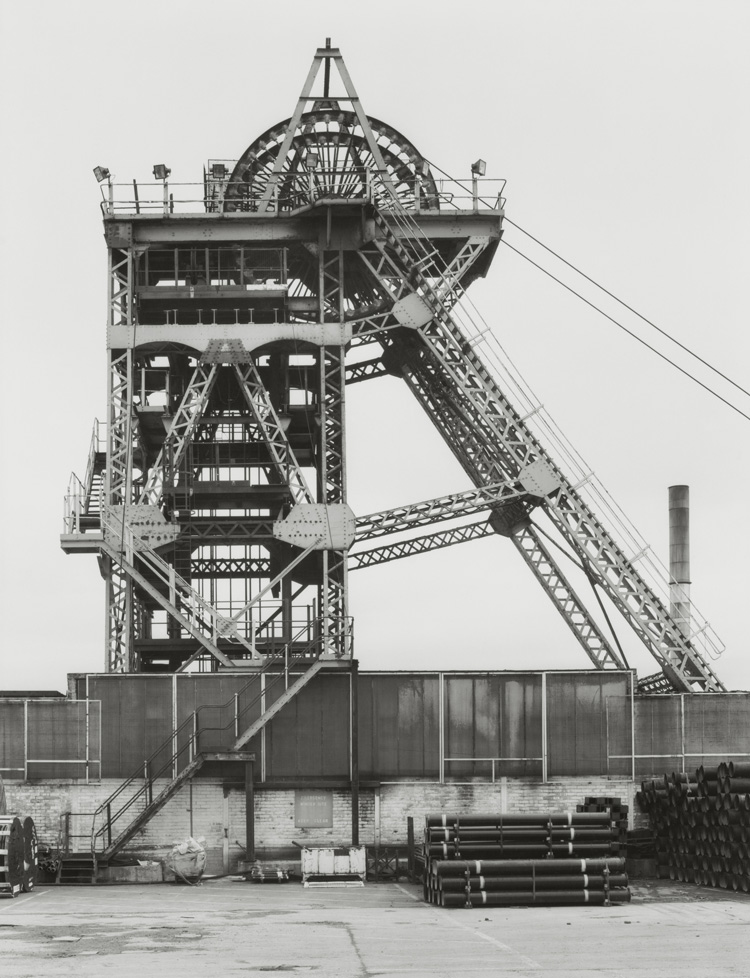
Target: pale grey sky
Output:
[(621, 129)]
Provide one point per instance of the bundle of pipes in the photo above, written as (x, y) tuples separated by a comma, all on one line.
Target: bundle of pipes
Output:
[(526, 882), (702, 825), (523, 859), (530, 835), (617, 811)]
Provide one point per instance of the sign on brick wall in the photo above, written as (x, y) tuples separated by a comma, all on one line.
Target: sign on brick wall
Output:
[(313, 809)]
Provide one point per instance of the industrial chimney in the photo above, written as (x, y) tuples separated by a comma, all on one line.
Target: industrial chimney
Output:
[(679, 556)]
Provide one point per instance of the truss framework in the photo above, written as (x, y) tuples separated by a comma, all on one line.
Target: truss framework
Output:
[(498, 428), (377, 270)]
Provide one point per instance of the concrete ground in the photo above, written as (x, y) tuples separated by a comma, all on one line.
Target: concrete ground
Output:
[(225, 928)]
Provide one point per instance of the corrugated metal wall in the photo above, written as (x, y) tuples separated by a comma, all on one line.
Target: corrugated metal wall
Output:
[(412, 726)]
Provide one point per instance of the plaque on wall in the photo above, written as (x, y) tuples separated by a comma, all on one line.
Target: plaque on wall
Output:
[(313, 809)]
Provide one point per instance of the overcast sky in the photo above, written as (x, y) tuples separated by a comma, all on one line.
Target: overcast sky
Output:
[(621, 129)]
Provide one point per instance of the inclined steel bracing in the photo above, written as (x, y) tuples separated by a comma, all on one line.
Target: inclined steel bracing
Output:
[(233, 335), (447, 360)]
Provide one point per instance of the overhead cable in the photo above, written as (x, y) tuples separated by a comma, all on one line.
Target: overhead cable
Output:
[(628, 331), (621, 302), (635, 312)]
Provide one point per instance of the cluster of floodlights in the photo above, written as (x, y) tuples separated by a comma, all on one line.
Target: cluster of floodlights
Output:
[(160, 171), (312, 159)]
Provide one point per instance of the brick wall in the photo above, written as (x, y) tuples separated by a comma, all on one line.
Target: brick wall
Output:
[(208, 809), (397, 801)]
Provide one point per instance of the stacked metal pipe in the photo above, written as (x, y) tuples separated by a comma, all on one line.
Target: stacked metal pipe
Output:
[(701, 825), (618, 813), (525, 859)]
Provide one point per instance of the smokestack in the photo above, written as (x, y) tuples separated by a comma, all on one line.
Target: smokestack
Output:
[(679, 556)]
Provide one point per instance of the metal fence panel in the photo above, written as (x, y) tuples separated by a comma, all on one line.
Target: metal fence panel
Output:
[(399, 726), (136, 719), (658, 735), (577, 718), (717, 727), (310, 737), (493, 726), (12, 753), (50, 739)]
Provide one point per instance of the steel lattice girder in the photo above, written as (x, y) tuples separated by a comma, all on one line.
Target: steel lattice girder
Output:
[(272, 432), (436, 510), (399, 276), (566, 600), (421, 544), (498, 425), (181, 431)]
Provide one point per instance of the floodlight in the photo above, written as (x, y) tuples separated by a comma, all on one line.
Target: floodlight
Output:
[(479, 168), (161, 172), (101, 173), (218, 171)]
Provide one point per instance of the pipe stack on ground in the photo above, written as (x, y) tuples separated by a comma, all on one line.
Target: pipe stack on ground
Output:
[(524, 859), (701, 825), (617, 811)]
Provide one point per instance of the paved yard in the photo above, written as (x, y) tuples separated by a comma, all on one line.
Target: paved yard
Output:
[(225, 928)]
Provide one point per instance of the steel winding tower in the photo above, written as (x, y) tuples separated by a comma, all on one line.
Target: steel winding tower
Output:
[(328, 254)]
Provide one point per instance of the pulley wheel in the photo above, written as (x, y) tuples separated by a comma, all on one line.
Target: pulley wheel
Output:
[(12, 855)]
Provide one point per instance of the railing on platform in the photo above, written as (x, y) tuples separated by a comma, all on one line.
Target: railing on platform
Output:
[(81, 499), (298, 191)]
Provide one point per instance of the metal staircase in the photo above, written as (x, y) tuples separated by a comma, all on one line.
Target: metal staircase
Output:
[(83, 499), (195, 742), (76, 869)]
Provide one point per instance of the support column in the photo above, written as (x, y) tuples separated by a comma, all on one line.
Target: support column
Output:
[(354, 693), (249, 811)]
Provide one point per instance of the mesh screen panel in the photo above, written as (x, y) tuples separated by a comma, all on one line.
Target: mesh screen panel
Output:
[(11, 740), (136, 719), (398, 727), (716, 724), (658, 739), (493, 726), (52, 742), (577, 736), (309, 738), (619, 728)]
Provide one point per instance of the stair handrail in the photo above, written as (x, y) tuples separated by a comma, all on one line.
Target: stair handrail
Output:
[(192, 743), (194, 606), (74, 504), (95, 448)]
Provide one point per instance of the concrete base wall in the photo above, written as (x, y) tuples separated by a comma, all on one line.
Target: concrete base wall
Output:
[(210, 810)]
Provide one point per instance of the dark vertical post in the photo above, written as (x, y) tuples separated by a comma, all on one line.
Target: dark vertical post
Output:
[(355, 752), (249, 812), (410, 844)]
